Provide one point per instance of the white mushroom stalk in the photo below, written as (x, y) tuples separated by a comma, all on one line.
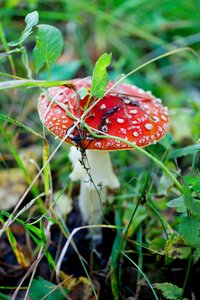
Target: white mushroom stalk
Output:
[(96, 176)]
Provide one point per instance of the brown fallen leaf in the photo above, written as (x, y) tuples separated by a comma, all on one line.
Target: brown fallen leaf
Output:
[(13, 182), (80, 288)]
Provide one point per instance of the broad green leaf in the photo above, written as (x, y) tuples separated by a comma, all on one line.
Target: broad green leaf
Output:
[(193, 181), (31, 20), (195, 208), (169, 290), (189, 229), (189, 150), (193, 205), (157, 244), (166, 141), (187, 195), (41, 287), (175, 248), (49, 45), (178, 203), (100, 77)]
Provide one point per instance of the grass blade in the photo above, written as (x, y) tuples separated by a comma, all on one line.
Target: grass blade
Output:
[(12, 84), (46, 172), (145, 277), (189, 150), (16, 249), (17, 123)]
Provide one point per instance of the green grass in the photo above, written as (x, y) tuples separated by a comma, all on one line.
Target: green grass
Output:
[(156, 223)]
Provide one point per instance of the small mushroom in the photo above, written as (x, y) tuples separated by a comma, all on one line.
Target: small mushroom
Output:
[(126, 111)]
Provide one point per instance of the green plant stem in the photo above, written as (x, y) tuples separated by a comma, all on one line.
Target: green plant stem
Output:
[(114, 274), (187, 274), (145, 277), (11, 76), (128, 225), (164, 223), (140, 255), (8, 53)]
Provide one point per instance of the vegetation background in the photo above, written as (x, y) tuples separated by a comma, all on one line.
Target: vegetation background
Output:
[(155, 237)]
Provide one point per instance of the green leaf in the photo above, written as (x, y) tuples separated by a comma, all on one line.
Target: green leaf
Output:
[(175, 248), (193, 181), (30, 20), (15, 246), (166, 141), (3, 297), (36, 240), (34, 229), (178, 203), (139, 216), (195, 208), (189, 230), (41, 287), (169, 290), (157, 244), (43, 236), (193, 205), (188, 199), (50, 259), (49, 45), (100, 77), (189, 150)]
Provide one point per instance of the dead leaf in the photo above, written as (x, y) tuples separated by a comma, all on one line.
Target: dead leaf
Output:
[(13, 182), (80, 288)]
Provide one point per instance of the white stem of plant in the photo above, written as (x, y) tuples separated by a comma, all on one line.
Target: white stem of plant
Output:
[(94, 182)]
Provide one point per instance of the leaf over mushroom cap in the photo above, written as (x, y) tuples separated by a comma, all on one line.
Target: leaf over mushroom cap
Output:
[(126, 111)]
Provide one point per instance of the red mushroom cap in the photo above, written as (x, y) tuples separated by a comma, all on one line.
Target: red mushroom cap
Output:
[(126, 111)]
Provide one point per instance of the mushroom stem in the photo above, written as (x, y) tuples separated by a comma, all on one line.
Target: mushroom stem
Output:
[(91, 203), (96, 175)]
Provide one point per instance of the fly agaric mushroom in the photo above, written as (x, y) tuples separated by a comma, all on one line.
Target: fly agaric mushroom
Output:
[(125, 111)]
